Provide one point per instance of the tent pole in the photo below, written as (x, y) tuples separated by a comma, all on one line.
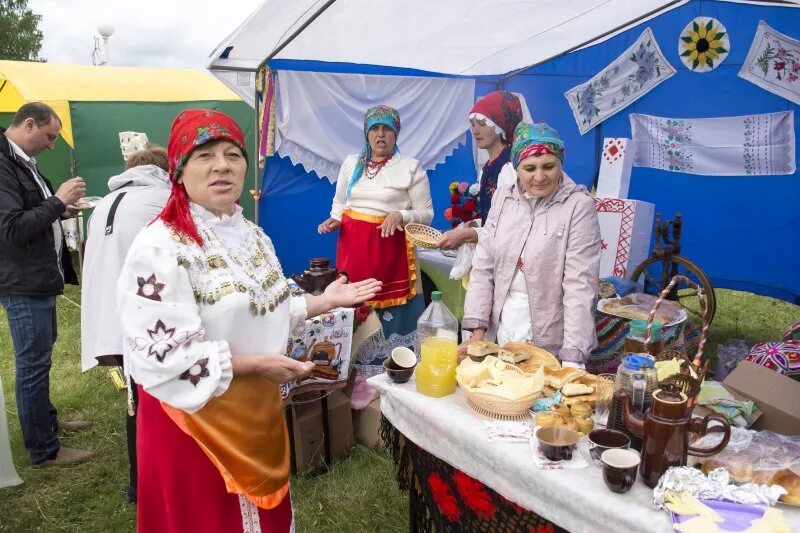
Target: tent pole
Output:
[(630, 23), (261, 65), (256, 146), (297, 32)]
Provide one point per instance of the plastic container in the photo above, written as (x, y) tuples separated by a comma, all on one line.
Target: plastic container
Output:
[(437, 338), (636, 377), (635, 341)]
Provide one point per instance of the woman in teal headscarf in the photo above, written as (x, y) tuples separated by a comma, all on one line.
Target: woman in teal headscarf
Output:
[(534, 278), (378, 192)]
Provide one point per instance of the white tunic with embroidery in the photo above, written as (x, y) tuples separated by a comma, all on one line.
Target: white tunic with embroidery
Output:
[(402, 185), (185, 309)]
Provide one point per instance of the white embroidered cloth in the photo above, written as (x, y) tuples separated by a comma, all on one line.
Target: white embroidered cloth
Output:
[(773, 63), (632, 75), (730, 146), (320, 116)]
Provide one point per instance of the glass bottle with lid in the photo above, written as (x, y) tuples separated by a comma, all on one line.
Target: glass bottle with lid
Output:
[(437, 337)]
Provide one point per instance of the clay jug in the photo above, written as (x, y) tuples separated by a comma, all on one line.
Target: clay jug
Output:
[(665, 429), (319, 275)]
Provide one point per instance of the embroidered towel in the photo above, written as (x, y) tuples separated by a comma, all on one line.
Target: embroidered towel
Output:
[(632, 75), (729, 146), (773, 63)]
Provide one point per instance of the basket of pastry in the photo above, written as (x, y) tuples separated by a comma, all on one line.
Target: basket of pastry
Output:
[(498, 389), (762, 457)]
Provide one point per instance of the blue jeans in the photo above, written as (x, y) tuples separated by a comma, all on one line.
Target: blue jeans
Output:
[(32, 322)]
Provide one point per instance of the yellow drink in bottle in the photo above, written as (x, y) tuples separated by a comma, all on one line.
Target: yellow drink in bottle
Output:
[(436, 373)]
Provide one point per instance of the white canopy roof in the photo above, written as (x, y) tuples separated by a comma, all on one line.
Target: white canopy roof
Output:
[(458, 37)]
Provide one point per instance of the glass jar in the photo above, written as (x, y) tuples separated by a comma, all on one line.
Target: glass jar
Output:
[(635, 341)]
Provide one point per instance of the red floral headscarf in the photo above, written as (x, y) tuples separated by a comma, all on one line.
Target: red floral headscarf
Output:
[(193, 128), (196, 127)]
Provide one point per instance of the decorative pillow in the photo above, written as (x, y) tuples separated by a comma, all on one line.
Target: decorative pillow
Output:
[(793, 332), (783, 357)]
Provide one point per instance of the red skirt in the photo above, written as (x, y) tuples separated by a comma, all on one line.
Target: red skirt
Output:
[(364, 254), (180, 489)]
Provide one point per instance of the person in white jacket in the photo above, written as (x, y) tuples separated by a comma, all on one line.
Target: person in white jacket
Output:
[(137, 197)]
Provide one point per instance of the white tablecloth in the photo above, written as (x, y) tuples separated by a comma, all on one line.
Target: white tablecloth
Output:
[(436, 259), (576, 500)]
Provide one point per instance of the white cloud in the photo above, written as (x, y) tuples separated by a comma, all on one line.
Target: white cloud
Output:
[(147, 33)]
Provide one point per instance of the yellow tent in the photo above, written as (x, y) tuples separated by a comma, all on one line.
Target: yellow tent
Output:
[(58, 85)]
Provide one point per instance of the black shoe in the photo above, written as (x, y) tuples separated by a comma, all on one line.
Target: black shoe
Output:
[(131, 495)]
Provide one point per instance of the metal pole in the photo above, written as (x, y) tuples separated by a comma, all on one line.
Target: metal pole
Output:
[(297, 32), (590, 41), (275, 52), (257, 187)]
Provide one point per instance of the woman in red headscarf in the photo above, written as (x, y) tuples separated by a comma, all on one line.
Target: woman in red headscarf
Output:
[(492, 121), (206, 313)]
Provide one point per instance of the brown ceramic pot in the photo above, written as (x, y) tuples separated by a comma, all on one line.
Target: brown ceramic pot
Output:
[(665, 432)]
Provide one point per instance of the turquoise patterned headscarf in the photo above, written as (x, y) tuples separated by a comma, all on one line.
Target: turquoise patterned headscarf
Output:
[(379, 114), (535, 139)]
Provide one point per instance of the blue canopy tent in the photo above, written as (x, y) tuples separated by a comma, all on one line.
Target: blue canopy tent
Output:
[(739, 229)]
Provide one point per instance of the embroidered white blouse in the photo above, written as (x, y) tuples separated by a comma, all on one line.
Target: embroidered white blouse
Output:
[(402, 185), (185, 309)]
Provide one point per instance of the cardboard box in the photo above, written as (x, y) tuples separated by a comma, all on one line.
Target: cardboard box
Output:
[(775, 395), (340, 422), (308, 434), (367, 423), (626, 228)]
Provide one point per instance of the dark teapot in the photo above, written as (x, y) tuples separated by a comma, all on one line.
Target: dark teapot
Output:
[(665, 430), (319, 275)]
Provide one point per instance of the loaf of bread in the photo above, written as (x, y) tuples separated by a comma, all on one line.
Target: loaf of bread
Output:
[(482, 348), (576, 389), (533, 357), (557, 378)]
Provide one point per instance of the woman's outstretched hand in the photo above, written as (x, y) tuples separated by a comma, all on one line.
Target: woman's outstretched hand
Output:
[(343, 294), (329, 226)]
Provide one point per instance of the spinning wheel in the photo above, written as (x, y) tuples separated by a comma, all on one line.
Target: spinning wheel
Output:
[(656, 272)]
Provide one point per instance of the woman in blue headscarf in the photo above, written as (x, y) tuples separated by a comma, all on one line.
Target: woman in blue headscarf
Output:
[(378, 192)]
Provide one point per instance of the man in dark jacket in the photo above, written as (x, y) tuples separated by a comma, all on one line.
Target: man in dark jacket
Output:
[(34, 265)]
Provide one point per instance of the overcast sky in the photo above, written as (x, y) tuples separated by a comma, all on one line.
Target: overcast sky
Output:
[(147, 33)]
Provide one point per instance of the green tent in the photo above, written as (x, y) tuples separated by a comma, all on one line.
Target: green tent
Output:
[(96, 103)]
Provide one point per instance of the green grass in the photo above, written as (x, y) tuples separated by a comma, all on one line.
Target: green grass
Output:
[(358, 494)]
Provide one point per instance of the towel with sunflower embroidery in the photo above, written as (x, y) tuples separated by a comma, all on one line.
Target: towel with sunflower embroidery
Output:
[(728, 146), (773, 63)]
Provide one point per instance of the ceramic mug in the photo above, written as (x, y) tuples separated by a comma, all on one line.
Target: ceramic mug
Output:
[(557, 442), (403, 357), (601, 440), (619, 469)]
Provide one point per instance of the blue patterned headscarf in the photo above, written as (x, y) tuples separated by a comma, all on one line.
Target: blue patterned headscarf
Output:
[(379, 114), (535, 139)]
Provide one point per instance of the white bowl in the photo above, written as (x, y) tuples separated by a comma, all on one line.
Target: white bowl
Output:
[(404, 357)]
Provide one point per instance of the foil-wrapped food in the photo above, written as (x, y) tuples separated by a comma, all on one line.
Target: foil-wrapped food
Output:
[(714, 486)]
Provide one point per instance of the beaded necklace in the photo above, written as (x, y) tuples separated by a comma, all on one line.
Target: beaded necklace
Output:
[(256, 276), (373, 167)]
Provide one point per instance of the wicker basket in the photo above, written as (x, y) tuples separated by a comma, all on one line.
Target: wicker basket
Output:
[(497, 406), (422, 235), (683, 382)]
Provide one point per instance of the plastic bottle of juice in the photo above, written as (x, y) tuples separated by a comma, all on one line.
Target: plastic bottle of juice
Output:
[(437, 337)]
